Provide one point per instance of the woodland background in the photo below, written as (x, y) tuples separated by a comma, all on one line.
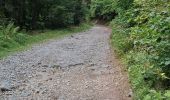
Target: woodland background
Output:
[(141, 33)]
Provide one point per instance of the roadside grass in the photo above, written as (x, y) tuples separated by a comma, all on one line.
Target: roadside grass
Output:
[(138, 65), (38, 37), (131, 60)]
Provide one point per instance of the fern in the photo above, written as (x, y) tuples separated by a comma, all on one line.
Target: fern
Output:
[(14, 31), (10, 31)]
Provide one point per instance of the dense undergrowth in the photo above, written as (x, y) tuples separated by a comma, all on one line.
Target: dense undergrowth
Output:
[(12, 40), (141, 36)]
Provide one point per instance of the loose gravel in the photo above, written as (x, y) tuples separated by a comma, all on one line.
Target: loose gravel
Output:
[(77, 67)]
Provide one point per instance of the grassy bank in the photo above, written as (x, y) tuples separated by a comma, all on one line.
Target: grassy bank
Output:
[(24, 40), (141, 37), (132, 60), (148, 82)]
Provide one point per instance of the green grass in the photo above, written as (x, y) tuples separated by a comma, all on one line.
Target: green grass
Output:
[(39, 37), (131, 60), (138, 65)]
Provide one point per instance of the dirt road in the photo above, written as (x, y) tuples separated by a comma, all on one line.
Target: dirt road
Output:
[(77, 67)]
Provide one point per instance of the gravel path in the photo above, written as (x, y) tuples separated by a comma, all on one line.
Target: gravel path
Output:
[(77, 67)]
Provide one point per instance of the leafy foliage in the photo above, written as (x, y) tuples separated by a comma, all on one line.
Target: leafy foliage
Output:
[(10, 31), (10, 36), (103, 9), (39, 14), (108, 9), (146, 28)]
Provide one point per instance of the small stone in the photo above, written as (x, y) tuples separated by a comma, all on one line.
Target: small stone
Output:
[(92, 64), (37, 91), (56, 66), (4, 89), (25, 93), (44, 71), (45, 66), (45, 91), (50, 78), (40, 84), (15, 87), (55, 84), (130, 94), (5, 86)]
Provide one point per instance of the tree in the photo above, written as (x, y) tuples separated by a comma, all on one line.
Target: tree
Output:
[(35, 14)]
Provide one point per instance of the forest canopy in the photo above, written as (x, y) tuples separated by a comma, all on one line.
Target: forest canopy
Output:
[(37, 14)]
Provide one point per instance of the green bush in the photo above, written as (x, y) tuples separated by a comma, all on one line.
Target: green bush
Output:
[(146, 47), (21, 38), (10, 36), (103, 9), (108, 9)]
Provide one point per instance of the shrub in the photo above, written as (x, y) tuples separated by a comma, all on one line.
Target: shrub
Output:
[(10, 36), (148, 43)]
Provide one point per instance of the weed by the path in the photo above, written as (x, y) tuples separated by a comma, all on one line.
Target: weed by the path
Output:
[(16, 40)]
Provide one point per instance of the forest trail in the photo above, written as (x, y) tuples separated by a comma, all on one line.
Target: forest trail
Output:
[(77, 67)]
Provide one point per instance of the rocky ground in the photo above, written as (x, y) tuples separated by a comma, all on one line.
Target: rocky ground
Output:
[(77, 67)]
